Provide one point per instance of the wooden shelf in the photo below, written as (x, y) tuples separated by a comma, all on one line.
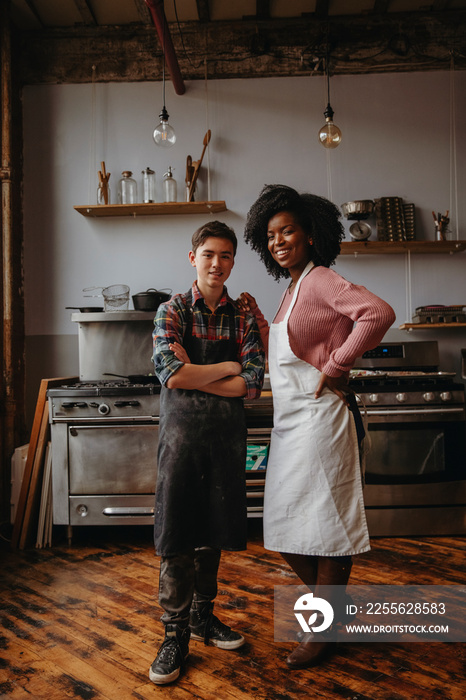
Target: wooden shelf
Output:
[(429, 326), (156, 209), (383, 247)]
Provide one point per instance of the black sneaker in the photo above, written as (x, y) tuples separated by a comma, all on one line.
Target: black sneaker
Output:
[(205, 626), (171, 656)]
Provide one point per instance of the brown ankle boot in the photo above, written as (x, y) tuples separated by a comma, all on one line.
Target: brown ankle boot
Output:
[(331, 571), (313, 649)]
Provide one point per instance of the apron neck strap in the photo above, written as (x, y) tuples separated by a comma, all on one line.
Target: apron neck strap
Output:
[(306, 270)]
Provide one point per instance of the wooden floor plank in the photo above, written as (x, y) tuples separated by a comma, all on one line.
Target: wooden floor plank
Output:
[(82, 621)]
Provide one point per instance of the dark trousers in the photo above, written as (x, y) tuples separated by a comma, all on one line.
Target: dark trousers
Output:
[(184, 578)]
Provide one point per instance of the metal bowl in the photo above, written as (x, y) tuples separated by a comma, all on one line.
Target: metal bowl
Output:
[(360, 209)]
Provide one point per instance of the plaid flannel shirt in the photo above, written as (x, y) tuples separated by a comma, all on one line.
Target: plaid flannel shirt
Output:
[(170, 325)]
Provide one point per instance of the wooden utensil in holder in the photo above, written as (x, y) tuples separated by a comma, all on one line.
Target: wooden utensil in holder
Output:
[(197, 165), (189, 176), (104, 177)]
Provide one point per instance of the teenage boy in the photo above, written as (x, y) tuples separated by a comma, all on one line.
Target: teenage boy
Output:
[(208, 356)]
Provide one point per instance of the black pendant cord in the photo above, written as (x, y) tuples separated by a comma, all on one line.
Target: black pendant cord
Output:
[(328, 114), (163, 63), (328, 80)]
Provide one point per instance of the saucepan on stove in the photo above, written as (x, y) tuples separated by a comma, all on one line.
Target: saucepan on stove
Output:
[(151, 299), (135, 378)]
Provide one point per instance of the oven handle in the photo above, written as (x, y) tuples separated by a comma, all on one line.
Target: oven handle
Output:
[(128, 510), (412, 411), (99, 422)]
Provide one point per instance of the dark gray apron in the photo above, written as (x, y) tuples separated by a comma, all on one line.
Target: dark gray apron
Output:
[(200, 495)]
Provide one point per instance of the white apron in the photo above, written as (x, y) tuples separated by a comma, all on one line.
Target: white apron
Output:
[(313, 501)]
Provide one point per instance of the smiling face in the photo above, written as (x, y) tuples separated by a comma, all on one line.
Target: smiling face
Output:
[(213, 260), (288, 243)]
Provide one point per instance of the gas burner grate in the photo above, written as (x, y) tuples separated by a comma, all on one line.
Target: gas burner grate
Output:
[(99, 384)]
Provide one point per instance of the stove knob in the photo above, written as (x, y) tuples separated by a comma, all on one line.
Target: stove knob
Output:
[(446, 396), (401, 398), (104, 409), (358, 400), (374, 398), (429, 396)]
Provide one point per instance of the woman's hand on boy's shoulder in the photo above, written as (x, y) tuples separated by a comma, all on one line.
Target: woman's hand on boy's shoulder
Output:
[(246, 302)]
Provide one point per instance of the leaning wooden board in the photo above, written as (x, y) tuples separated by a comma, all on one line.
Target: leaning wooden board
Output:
[(32, 477)]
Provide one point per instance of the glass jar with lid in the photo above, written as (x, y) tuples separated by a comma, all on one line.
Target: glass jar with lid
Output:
[(127, 189), (148, 186)]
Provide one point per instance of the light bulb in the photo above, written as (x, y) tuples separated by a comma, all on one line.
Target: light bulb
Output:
[(164, 135), (329, 134)]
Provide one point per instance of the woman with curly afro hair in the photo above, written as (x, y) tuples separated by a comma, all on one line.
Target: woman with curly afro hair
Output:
[(313, 504)]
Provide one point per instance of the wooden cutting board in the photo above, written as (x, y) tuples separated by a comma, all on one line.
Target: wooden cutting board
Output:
[(28, 502)]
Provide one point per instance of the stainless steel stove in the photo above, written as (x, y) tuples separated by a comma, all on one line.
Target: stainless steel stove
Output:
[(416, 464), (104, 452)]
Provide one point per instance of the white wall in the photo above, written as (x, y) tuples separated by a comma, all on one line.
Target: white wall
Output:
[(396, 141)]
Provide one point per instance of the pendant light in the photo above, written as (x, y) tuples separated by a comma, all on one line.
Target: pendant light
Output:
[(164, 134), (329, 133)]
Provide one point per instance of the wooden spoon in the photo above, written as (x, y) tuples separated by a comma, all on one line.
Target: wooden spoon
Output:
[(198, 164)]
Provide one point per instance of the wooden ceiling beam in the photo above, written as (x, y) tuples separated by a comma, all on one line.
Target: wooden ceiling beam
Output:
[(360, 44), (381, 7), (321, 11), (85, 12), (203, 10), (33, 9), (263, 9)]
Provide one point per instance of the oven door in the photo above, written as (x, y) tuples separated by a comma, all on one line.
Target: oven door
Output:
[(416, 446), (112, 458)]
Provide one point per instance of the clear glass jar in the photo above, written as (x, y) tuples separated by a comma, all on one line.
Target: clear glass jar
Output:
[(169, 186), (127, 189), (148, 185), (103, 194)]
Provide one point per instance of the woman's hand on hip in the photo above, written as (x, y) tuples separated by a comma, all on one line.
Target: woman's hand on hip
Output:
[(339, 386), (246, 302)]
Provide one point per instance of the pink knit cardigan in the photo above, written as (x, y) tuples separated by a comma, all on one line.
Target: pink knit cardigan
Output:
[(321, 325)]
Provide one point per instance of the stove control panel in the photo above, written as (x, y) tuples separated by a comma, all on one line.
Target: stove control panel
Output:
[(388, 350), (111, 408)]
